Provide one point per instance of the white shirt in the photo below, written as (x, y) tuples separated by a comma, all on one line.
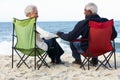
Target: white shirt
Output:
[(42, 33)]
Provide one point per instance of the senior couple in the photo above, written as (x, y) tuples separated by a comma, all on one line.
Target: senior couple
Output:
[(80, 29)]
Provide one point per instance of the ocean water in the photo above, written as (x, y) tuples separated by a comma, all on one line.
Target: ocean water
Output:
[(6, 29)]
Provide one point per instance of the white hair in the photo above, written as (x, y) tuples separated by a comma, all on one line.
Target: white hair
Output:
[(92, 7), (29, 9)]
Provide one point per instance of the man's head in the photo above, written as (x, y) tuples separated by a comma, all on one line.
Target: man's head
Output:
[(31, 11), (90, 9)]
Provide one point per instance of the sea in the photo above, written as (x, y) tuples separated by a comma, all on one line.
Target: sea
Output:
[(6, 29)]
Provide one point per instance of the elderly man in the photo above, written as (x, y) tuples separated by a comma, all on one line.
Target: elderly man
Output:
[(81, 30)]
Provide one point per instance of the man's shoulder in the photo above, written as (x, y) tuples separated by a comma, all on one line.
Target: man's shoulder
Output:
[(99, 19), (104, 19), (83, 21)]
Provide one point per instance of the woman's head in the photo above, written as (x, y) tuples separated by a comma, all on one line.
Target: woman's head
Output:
[(31, 11)]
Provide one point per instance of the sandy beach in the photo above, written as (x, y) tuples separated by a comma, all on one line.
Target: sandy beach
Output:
[(68, 71)]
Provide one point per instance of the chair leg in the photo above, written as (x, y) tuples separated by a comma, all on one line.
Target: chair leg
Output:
[(105, 61), (35, 60), (115, 65), (101, 63), (12, 57), (42, 59), (83, 63), (23, 61), (24, 58), (108, 58), (86, 60), (88, 63), (115, 60)]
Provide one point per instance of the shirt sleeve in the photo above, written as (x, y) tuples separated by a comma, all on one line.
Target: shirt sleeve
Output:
[(45, 34)]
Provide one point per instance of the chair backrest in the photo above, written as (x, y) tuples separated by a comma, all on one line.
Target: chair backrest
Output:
[(25, 33), (99, 38)]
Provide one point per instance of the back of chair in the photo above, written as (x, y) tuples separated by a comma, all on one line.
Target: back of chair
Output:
[(99, 38), (25, 33)]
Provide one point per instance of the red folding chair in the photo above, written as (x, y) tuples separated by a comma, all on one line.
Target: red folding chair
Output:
[(100, 43)]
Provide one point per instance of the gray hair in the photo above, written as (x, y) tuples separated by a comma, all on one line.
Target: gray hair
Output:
[(92, 7), (29, 9)]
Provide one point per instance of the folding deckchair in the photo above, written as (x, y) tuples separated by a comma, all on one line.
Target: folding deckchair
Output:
[(100, 43), (24, 33)]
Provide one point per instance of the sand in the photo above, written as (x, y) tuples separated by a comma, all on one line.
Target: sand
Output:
[(68, 71)]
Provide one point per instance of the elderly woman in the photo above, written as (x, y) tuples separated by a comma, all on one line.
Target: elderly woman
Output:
[(48, 39)]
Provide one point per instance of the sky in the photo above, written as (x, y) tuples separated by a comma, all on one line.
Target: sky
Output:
[(58, 10)]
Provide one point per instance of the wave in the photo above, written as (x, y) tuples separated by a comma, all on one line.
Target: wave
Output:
[(6, 46)]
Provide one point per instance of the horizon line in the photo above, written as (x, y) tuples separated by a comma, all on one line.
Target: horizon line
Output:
[(56, 21)]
